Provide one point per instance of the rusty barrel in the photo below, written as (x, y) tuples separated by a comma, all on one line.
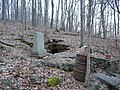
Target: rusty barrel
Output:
[(80, 68)]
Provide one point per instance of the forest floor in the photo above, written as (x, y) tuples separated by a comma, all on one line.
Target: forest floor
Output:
[(20, 71)]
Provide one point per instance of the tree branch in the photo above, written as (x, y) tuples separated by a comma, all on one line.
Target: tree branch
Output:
[(113, 7), (117, 5)]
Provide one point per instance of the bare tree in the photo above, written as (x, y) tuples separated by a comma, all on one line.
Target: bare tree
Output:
[(52, 4), (28, 14), (68, 17), (110, 24), (3, 9), (23, 2), (103, 6), (46, 15), (76, 23), (8, 11), (12, 10), (16, 10), (114, 4), (88, 42), (116, 7), (57, 14), (115, 28), (62, 15), (82, 25), (107, 17), (73, 7), (33, 13), (118, 29), (40, 13), (93, 17)]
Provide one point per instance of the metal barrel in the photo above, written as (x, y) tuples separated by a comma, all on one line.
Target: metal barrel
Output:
[(80, 68)]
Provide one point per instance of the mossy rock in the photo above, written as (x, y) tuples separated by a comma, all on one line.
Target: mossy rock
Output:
[(53, 81), (1, 59), (109, 69), (3, 48), (9, 84), (67, 67)]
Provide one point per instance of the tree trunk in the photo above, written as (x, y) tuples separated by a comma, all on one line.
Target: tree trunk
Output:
[(23, 17), (65, 11), (107, 16), (82, 29), (95, 28), (88, 43), (12, 9), (102, 18), (115, 29), (33, 14), (110, 25), (93, 17), (118, 24), (16, 10), (28, 14), (40, 16), (46, 16), (8, 9), (41, 13), (52, 4), (118, 30), (72, 16), (3, 9), (69, 20), (68, 16), (57, 14), (62, 16)]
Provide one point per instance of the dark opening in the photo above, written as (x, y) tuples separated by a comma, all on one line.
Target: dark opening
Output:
[(56, 48)]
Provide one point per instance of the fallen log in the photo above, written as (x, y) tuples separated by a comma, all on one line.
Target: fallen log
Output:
[(25, 42), (7, 44)]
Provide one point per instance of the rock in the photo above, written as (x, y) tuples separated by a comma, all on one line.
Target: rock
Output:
[(7, 83), (66, 67), (62, 65), (34, 78), (2, 69), (36, 64), (69, 55), (39, 56), (1, 59), (94, 86), (50, 64), (110, 81)]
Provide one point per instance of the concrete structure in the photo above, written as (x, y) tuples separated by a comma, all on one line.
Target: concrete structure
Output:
[(38, 44)]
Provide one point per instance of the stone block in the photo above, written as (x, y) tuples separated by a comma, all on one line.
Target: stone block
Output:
[(38, 44)]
